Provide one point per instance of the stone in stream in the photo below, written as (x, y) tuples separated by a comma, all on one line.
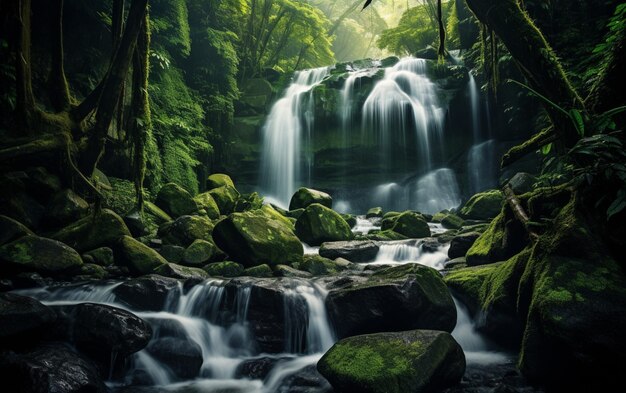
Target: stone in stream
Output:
[(483, 206), (404, 297), (38, 254), (374, 212), (88, 233), (460, 244), (185, 230), (50, 368), (319, 224), (224, 269), (411, 225), (22, 320), (182, 356), (11, 229), (181, 272), (147, 293), (420, 361), (353, 251), (307, 196), (139, 258)]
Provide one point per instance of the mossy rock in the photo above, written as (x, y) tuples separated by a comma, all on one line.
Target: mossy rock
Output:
[(288, 271), (460, 244), (391, 214), (205, 201), (225, 197), (411, 225), (88, 233), (294, 213), (257, 237), (250, 201), (319, 266), (185, 230), (452, 221), (419, 361), (102, 256), (181, 272), (374, 212), (483, 206), (350, 219), (224, 269), (260, 271), (92, 271), (175, 200), (386, 235), (217, 180), (38, 254), (173, 254), (493, 245), (320, 224), (11, 229), (139, 258), (65, 207), (155, 211), (437, 217), (307, 196), (200, 252)]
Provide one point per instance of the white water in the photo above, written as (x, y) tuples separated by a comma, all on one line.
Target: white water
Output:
[(482, 166), (404, 102), (289, 124), (401, 252), (436, 191), (364, 226)]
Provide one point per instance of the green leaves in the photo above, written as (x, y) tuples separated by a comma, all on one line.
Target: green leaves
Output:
[(545, 149)]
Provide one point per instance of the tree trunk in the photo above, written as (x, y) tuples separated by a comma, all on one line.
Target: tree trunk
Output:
[(25, 103), (441, 51), (112, 87), (535, 58), (57, 83)]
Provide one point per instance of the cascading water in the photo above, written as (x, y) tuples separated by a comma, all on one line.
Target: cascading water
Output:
[(290, 120), (436, 191)]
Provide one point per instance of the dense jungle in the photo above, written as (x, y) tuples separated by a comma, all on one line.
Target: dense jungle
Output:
[(312, 196)]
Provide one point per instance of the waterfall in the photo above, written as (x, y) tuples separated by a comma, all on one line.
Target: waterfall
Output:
[(403, 103), (474, 94), (289, 122), (401, 252), (436, 191)]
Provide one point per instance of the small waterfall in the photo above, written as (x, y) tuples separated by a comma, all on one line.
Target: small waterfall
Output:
[(403, 252), (405, 102), (436, 191), (482, 166), (474, 94), (290, 120)]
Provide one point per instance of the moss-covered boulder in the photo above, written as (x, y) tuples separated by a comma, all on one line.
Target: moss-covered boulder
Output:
[(88, 233), (307, 196), (175, 200), (261, 271), (396, 298), (11, 229), (224, 269), (102, 256), (172, 253), (460, 244), (218, 180), (185, 230), (419, 361), (247, 202), (159, 215), (225, 197), (386, 235), (200, 252), (483, 206), (38, 254), (319, 224), (374, 212), (139, 258), (257, 237), (452, 221), (504, 238), (181, 272), (64, 207), (319, 266), (206, 202), (288, 271), (350, 219), (411, 225)]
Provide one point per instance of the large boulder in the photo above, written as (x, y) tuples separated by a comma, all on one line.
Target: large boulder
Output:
[(504, 238), (218, 180), (175, 200), (224, 269), (307, 196), (225, 197), (182, 356), (22, 320), (460, 244), (319, 224), (65, 207), (411, 225), (102, 256), (38, 254), (201, 252), (181, 272), (11, 229), (185, 230), (261, 271), (353, 251), (139, 258), (398, 298), (374, 212), (319, 266), (452, 221), (147, 293), (88, 233), (483, 206), (419, 361), (257, 237), (522, 183), (51, 368), (205, 201)]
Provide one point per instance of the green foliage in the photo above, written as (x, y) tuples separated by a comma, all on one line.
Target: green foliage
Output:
[(415, 31), (170, 26)]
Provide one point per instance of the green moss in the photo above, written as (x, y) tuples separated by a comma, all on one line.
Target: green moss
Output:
[(488, 247), (258, 271), (307, 196), (218, 180), (319, 224), (452, 221), (483, 206), (103, 229), (319, 266), (205, 201), (175, 200), (411, 225), (225, 197), (224, 269)]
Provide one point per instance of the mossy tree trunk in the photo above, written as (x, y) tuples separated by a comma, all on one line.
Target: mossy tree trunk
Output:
[(534, 57), (57, 82), (25, 102)]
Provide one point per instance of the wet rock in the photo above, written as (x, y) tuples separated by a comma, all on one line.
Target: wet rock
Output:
[(65, 207), (147, 293), (319, 224), (225, 197), (307, 196), (413, 361), (11, 230), (88, 233), (319, 266), (52, 368), (185, 230), (483, 206), (353, 251), (181, 272), (139, 258), (398, 298), (258, 271), (257, 368), (411, 225), (306, 380), (102, 256), (205, 201), (200, 252), (173, 254), (288, 271), (374, 212), (182, 356), (224, 269), (452, 221), (22, 320), (460, 244)]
